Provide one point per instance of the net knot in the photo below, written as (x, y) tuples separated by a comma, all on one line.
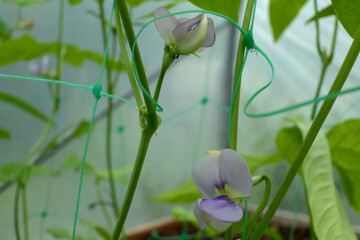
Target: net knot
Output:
[(249, 40), (44, 214), (96, 89), (204, 100)]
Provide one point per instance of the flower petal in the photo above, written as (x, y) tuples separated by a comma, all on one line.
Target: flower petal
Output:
[(191, 34), (165, 26), (210, 35), (235, 174), (213, 223), (199, 217), (223, 209), (205, 174)]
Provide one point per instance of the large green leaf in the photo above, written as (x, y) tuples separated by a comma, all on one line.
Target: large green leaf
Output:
[(5, 31), (348, 13), (4, 133), (329, 220), (288, 142), (326, 12), (229, 8), (344, 141), (282, 13), (75, 2), (27, 2), (22, 105), (27, 48), (254, 162), (185, 193)]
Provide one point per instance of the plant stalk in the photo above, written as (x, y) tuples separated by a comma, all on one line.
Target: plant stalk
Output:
[(16, 213), (25, 212), (239, 64), (103, 207), (312, 133), (168, 59)]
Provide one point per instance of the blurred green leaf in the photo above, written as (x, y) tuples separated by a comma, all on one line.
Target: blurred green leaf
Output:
[(75, 2), (5, 31), (167, 6), (4, 133), (135, 3), (37, 170), (27, 2), (229, 8), (58, 233), (102, 232), (81, 129), (329, 220), (254, 162), (326, 12), (348, 13), (11, 171), (75, 163), (120, 174), (344, 142), (27, 48), (185, 193), (282, 13), (22, 105)]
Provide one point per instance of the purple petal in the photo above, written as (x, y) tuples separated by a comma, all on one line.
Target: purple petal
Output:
[(213, 223), (210, 35), (200, 219), (235, 174), (223, 209), (191, 34), (205, 175), (165, 26), (34, 67)]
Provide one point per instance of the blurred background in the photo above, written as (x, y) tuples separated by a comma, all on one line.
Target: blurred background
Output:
[(189, 126)]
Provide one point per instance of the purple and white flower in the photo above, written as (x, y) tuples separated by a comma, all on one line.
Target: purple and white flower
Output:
[(39, 69), (186, 36), (223, 180)]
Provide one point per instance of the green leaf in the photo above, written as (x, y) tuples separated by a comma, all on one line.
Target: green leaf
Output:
[(185, 193), (135, 3), (254, 162), (167, 6), (58, 233), (282, 13), (229, 8), (81, 129), (120, 174), (326, 12), (10, 172), (75, 2), (102, 232), (37, 170), (344, 141), (348, 13), (5, 31), (4, 133), (27, 2), (27, 48), (288, 142), (22, 105), (329, 220), (75, 163)]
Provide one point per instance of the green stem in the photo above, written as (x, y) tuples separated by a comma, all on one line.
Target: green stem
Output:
[(25, 212), (108, 119), (229, 234), (125, 17), (311, 135), (144, 144), (254, 218), (127, 62), (321, 80), (103, 207), (16, 212), (168, 58), (239, 64)]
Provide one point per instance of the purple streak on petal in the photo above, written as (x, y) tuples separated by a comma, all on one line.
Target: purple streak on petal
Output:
[(182, 29), (165, 26), (223, 209), (210, 35), (198, 215), (235, 173), (205, 175), (213, 223)]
